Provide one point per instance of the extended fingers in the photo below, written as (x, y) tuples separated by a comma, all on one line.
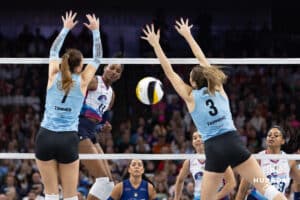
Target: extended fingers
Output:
[(178, 23), (89, 17), (74, 15), (86, 25), (181, 20), (148, 28), (63, 19), (145, 32), (68, 14), (187, 22)]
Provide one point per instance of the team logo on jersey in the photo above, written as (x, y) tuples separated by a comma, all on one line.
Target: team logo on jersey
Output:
[(102, 103), (198, 175), (102, 98), (272, 175)]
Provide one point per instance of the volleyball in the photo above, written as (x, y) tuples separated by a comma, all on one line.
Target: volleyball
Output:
[(149, 90)]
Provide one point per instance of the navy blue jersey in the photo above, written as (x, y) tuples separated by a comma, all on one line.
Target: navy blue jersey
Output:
[(130, 193)]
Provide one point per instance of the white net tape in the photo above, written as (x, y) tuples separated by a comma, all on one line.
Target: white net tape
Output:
[(118, 156), (139, 61)]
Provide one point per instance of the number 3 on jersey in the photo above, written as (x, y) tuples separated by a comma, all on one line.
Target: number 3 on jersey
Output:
[(213, 110)]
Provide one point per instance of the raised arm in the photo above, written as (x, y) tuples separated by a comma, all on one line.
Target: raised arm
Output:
[(230, 184), (93, 84), (214, 76), (184, 171), (92, 67), (184, 29), (68, 21), (181, 88)]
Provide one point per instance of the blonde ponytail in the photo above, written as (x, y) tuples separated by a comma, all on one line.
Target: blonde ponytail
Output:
[(214, 76), (66, 75)]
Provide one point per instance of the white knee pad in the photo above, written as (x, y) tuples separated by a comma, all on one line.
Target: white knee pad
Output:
[(102, 188), (110, 186), (51, 197), (71, 198), (106, 179), (271, 192)]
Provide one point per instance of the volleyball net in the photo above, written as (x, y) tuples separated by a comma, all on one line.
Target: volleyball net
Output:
[(290, 63), (187, 61)]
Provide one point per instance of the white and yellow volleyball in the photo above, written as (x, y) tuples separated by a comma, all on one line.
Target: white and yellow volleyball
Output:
[(149, 90)]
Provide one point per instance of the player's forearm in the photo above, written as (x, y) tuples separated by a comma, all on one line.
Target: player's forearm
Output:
[(57, 44), (178, 190), (97, 48), (197, 51), (163, 60)]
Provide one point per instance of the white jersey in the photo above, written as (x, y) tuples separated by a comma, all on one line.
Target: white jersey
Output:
[(197, 170), (97, 101), (277, 171)]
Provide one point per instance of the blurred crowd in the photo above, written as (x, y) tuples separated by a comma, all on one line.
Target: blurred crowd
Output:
[(260, 96)]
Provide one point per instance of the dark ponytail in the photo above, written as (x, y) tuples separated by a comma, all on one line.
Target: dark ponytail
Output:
[(291, 137)]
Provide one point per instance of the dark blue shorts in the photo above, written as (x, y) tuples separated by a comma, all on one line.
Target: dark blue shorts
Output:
[(87, 129)]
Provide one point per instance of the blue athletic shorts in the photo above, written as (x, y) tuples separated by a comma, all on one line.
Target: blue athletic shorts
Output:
[(87, 129)]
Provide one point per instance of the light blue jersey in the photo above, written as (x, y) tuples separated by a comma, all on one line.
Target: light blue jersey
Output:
[(211, 115), (62, 111)]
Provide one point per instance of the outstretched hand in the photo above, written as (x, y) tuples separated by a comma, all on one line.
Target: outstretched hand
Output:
[(93, 22), (150, 35), (68, 20), (183, 27)]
